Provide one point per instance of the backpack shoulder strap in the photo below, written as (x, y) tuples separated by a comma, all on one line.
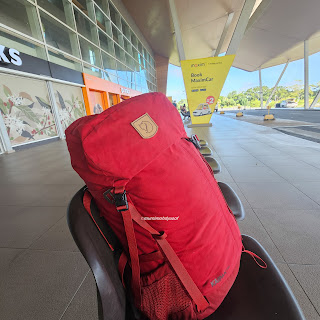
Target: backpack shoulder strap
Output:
[(181, 272)]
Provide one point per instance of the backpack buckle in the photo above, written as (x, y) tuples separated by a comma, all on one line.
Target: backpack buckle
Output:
[(118, 199), (195, 140)]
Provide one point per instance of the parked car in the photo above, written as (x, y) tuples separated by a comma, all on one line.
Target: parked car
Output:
[(202, 110), (289, 103)]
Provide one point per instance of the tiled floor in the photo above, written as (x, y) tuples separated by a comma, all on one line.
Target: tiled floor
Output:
[(43, 275)]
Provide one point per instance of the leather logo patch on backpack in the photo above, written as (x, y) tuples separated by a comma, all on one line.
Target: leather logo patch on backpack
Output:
[(145, 126)]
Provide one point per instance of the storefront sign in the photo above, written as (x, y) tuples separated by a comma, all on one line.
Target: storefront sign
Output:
[(125, 90), (203, 80), (9, 55)]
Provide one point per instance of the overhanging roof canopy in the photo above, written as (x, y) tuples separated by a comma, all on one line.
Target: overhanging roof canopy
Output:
[(278, 33), (275, 34)]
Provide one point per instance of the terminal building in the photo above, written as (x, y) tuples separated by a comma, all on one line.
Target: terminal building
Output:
[(61, 60)]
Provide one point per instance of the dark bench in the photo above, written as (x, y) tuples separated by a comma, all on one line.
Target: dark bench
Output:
[(257, 294), (232, 200), (214, 164)]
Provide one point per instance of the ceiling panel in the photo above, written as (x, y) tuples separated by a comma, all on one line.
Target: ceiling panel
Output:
[(275, 33)]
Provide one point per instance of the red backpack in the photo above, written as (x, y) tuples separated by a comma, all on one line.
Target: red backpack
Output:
[(160, 198)]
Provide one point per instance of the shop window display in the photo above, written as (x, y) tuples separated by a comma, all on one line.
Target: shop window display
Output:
[(26, 110), (70, 103)]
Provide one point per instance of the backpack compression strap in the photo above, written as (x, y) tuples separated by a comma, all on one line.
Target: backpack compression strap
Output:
[(129, 213), (87, 199)]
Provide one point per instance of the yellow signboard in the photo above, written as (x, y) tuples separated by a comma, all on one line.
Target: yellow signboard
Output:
[(203, 80)]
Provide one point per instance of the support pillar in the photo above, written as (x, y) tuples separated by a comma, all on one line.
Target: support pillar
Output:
[(261, 89), (177, 30), (216, 52), (162, 65), (316, 99), (306, 74), (241, 26), (276, 85)]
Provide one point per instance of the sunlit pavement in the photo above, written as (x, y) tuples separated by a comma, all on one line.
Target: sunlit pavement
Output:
[(43, 275), (312, 116), (277, 177)]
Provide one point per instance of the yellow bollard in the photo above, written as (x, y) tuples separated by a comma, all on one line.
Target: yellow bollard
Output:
[(269, 116)]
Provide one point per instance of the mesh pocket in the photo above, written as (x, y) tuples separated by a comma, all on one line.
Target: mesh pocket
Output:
[(163, 296)]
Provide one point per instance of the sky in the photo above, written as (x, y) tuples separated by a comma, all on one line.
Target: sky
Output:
[(239, 80)]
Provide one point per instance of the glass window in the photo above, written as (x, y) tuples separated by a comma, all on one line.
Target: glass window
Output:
[(117, 37), (110, 77), (126, 30), (138, 79), (122, 71), (127, 46), (85, 27), (135, 54), (114, 15), (63, 60), (22, 16), (86, 6), (93, 71), (104, 5), (143, 78), (131, 85), (109, 63), (61, 9), (148, 58), (90, 53), (12, 40), (100, 3), (58, 36), (148, 76), (149, 86), (130, 76), (134, 39), (123, 82), (140, 59), (144, 53), (106, 43), (139, 46), (119, 53), (103, 22), (130, 62)]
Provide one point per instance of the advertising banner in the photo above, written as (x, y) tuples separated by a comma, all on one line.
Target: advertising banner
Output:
[(203, 80)]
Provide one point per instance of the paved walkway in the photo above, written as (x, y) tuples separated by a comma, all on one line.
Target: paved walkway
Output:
[(309, 115), (42, 274), (277, 177)]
